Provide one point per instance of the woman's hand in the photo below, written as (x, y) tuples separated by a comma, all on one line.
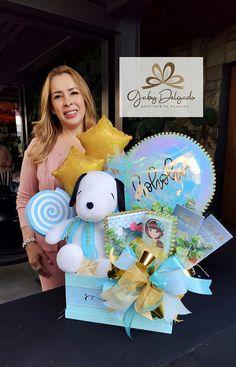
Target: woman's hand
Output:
[(37, 257)]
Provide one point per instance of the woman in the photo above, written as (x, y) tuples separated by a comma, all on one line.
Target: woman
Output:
[(67, 108), (153, 230)]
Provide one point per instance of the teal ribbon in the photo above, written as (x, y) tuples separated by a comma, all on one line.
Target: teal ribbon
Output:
[(128, 319), (126, 315), (88, 245), (127, 259), (171, 278), (70, 229), (87, 237), (74, 228)]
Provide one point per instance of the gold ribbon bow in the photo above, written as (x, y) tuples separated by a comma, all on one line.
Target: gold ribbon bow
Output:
[(134, 286), (164, 77)]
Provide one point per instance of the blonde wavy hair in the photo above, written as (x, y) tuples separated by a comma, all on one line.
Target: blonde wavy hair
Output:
[(47, 129)]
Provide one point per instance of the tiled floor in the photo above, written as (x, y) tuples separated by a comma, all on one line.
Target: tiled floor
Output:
[(17, 281)]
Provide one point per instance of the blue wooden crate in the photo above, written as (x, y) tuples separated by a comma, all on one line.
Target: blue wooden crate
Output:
[(83, 302)]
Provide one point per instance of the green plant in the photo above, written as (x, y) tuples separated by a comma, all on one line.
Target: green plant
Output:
[(141, 128), (208, 120), (192, 249)]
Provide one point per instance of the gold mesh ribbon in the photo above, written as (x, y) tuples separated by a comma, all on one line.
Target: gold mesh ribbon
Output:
[(134, 286), (149, 299)]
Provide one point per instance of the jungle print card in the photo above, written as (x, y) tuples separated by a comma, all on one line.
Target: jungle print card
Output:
[(121, 229)]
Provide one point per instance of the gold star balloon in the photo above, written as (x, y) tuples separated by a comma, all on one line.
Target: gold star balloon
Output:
[(103, 139), (74, 165)]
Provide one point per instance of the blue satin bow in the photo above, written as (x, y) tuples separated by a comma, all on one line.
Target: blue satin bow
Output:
[(173, 279), (170, 277)]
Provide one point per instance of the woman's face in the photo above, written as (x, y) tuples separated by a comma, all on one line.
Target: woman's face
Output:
[(67, 102), (154, 233)]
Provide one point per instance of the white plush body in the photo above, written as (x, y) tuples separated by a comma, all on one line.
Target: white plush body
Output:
[(96, 197)]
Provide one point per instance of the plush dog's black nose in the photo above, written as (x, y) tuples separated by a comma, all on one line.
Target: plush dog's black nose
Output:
[(90, 205)]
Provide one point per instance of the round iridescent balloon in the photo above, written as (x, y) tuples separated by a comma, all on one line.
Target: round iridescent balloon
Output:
[(168, 169)]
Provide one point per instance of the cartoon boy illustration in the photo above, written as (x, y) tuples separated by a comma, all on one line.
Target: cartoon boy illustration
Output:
[(153, 229)]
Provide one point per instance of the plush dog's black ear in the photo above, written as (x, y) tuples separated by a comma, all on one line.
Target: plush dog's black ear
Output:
[(75, 190), (120, 195)]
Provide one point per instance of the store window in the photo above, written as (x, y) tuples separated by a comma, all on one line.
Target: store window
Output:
[(12, 135)]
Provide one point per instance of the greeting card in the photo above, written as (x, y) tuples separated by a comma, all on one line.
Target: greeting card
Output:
[(159, 234), (209, 238)]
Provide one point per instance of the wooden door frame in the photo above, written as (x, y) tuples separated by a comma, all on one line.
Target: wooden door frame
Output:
[(216, 205)]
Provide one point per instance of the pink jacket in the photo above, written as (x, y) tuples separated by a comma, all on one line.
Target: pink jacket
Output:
[(37, 178)]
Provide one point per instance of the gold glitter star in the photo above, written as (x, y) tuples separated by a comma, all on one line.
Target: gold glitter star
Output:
[(87, 267), (103, 139), (74, 165)]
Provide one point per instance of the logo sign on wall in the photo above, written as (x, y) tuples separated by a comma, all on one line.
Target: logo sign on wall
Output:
[(161, 86)]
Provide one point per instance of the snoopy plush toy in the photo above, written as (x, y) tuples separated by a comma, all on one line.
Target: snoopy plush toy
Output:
[(95, 195)]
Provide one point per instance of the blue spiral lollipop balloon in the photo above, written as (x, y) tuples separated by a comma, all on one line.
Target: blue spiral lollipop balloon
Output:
[(48, 208)]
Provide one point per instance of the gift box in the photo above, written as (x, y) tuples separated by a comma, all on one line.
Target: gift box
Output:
[(135, 270), (83, 302)]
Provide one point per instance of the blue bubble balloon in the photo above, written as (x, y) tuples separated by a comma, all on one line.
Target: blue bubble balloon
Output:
[(165, 170)]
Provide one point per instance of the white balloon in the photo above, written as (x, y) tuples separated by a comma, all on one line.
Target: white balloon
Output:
[(69, 258)]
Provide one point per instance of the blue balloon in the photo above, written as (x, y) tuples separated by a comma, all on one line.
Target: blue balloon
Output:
[(165, 170)]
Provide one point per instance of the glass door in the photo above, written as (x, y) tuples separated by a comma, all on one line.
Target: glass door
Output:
[(12, 134)]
